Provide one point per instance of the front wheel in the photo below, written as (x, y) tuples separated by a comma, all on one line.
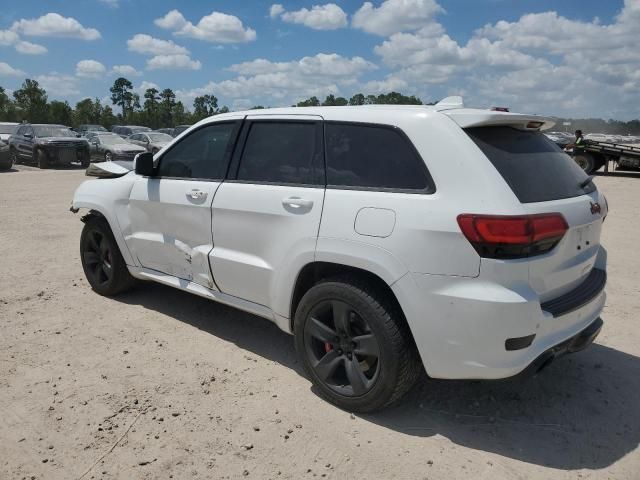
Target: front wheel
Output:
[(102, 261), (13, 155), (355, 345), (108, 157), (41, 159)]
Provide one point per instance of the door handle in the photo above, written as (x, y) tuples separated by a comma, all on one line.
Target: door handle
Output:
[(297, 202), (196, 194)]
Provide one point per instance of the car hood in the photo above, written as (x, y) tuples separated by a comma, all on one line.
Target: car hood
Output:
[(79, 141)]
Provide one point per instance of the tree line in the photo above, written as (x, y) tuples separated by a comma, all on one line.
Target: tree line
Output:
[(159, 108)]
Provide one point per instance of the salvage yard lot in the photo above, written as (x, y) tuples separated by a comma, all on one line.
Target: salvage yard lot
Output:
[(159, 383)]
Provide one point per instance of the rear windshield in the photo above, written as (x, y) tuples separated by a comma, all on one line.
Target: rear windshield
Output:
[(533, 166)]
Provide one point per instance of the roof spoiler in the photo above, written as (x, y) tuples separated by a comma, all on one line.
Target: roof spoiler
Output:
[(450, 102)]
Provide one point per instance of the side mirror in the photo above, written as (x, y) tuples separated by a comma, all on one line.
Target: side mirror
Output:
[(144, 164)]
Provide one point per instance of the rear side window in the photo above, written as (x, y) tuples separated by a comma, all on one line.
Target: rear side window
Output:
[(202, 154), (372, 156), (534, 167), (281, 152)]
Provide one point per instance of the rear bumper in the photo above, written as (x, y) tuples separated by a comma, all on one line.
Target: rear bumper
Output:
[(578, 342), (461, 325)]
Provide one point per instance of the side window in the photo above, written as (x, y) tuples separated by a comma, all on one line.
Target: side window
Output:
[(134, 137), (372, 156), (202, 154), (281, 152)]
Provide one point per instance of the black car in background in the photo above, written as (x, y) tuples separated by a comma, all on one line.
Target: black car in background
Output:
[(6, 162), (86, 127), (107, 147), (46, 144), (126, 130)]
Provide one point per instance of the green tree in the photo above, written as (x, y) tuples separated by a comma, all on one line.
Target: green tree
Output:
[(357, 99), (205, 106), (167, 104), (122, 95), (257, 107), (32, 101), (151, 106), (309, 102), (107, 118), (332, 101), (395, 98), (60, 112), (180, 114), (88, 111)]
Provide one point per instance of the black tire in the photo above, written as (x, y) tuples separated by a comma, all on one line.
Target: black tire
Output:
[(108, 156), (13, 154), (586, 162), (85, 162), (41, 159), (366, 366), (102, 261)]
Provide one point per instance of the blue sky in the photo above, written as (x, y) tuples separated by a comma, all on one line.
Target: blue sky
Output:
[(574, 58)]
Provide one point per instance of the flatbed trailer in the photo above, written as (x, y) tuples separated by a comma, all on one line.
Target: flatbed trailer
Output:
[(592, 155)]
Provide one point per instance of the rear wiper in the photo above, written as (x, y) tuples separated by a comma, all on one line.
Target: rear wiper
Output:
[(586, 182)]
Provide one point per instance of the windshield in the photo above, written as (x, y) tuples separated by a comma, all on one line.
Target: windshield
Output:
[(533, 166), (8, 128), (139, 129), (159, 137), (111, 140), (180, 128), (53, 131)]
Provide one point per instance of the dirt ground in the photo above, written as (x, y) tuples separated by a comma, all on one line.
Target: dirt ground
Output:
[(162, 384)]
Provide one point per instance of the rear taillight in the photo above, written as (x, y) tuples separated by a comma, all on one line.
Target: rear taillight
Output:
[(504, 236)]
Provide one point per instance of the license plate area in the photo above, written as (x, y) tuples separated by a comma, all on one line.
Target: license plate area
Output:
[(67, 155)]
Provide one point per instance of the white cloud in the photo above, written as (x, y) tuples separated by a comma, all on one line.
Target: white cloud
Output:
[(7, 70), (173, 62), (275, 10), (7, 37), (394, 16), (216, 27), (90, 69), (147, 45), (58, 84), (54, 25), (389, 84), (287, 81), (125, 70), (320, 17), (144, 85), (29, 48)]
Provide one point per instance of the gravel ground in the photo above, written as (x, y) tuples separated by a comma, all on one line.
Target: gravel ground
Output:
[(162, 384)]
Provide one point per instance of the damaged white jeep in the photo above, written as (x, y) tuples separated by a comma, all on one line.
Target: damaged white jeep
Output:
[(387, 239)]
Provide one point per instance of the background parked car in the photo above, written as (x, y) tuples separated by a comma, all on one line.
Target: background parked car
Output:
[(168, 131), (7, 129), (151, 141), (85, 128), (46, 144), (6, 162), (179, 129), (126, 130), (110, 147)]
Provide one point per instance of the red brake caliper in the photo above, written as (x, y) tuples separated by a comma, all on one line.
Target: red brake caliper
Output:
[(327, 347)]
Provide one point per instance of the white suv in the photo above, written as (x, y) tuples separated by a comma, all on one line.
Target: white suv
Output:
[(385, 238)]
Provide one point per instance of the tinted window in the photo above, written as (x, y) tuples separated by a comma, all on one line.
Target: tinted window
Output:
[(281, 152), (533, 166), (202, 154), (373, 157), (21, 130)]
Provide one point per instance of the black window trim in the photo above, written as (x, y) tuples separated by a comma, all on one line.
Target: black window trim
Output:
[(234, 167), (430, 189), (227, 155)]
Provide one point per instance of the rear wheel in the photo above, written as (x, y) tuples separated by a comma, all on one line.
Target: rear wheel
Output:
[(586, 162), (355, 345), (13, 154), (102, 261)]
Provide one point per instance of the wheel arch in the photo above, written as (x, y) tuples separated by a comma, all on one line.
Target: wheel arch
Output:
[(315, 272)]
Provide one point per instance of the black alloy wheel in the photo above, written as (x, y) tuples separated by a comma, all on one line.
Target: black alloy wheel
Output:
[(97, 257), (341, 348)]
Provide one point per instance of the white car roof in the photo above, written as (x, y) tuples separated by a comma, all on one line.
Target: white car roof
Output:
[(452, 107)]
